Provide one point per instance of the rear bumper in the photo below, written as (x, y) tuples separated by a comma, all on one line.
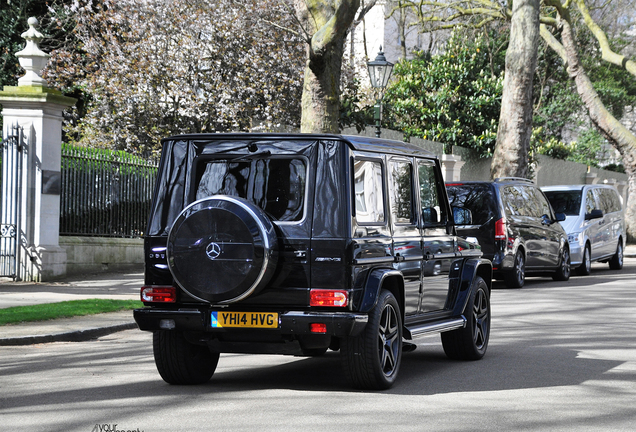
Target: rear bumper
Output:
[(290, 323)]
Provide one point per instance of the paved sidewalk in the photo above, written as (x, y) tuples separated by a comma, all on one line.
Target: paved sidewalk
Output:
[(123, 286), (106, 285)]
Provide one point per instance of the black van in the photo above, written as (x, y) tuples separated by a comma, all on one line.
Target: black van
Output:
[(515, 226)]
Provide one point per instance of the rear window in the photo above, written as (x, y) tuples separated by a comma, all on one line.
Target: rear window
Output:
[(478, 198), (369, 193), (276, 185), (609, 200), (568, 202)]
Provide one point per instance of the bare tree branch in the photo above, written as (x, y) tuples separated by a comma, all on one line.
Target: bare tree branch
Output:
[(292, 13), (606, 51), (294, 32), (553, 43), (363, 11)]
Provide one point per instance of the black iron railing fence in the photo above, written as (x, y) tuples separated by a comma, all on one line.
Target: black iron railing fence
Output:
[(104, 193), (12, 151)]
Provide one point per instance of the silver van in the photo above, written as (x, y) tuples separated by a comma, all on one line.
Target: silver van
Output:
[(595, 223)]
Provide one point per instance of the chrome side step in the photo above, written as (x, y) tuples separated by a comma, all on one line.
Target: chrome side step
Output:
[(424, 329)]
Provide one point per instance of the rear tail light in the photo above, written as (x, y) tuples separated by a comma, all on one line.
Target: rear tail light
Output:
[(500, 229), (327, 297), (158, 294)]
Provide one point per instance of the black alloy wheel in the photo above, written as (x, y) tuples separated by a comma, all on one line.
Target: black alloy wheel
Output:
[(371, 360), (471, 342)]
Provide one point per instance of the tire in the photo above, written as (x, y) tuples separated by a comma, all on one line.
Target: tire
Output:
[(372, 359), (222, 249), (516, 277), (616, 262), (181, 362), (471, 342), (562, 272), (586, 266)]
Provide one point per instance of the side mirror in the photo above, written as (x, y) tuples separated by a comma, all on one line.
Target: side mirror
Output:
[(560, 217), (594, 214), (462, 216), (430, 216)]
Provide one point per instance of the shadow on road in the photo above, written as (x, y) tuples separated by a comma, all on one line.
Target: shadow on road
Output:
[(424, 372)]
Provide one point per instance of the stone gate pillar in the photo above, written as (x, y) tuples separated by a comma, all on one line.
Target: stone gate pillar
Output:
[(451, 167), (38, 110)]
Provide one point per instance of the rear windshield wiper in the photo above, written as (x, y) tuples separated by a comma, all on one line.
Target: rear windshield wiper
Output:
[(251, 147)]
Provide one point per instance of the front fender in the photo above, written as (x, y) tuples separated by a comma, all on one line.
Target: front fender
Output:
[(471, 268)]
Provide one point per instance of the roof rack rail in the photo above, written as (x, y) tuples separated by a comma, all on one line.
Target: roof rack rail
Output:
[(500, 179)]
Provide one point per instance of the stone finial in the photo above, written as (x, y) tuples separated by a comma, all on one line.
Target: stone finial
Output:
[(32, 58)]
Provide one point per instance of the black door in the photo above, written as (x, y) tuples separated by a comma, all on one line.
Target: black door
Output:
[(438, 246), (407, 244)]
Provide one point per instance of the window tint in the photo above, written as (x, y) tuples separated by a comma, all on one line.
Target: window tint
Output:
[(608, 200), (478, 198), (369, 192), (590, 202), (605, 200), (520, 201), (401, 191), (275, 185), (616, 201), (543, 206), (433, 213), (533, 202), (568, 202)]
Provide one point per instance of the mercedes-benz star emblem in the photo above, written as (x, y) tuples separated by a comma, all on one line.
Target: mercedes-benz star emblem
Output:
[(213, 251)]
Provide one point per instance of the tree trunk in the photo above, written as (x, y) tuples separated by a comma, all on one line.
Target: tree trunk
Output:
[(510, 158), (615, 132), (321, 92), (325, 23), (401, 23)]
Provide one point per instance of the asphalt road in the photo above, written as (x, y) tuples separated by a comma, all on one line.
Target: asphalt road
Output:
[(562, 357)]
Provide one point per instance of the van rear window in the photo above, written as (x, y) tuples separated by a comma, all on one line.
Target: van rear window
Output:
[(478, 198)]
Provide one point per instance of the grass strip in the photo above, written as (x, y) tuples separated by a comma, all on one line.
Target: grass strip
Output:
[(65, 309)]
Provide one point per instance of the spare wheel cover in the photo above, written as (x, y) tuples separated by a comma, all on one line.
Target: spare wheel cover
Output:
[(222, 249)]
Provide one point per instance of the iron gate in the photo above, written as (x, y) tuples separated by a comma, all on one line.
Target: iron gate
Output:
[(11, 201)]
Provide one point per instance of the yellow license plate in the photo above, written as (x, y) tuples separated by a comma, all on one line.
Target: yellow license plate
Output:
[(244, 319)]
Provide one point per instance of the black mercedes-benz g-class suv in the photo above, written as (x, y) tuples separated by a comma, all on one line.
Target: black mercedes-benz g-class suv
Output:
[(295, 244)]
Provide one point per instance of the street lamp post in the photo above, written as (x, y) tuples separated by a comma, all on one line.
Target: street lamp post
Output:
[(379, 73)]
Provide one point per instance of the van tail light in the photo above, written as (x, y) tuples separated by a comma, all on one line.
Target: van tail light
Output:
[(327, 297), (158, 294), (500, 229)]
